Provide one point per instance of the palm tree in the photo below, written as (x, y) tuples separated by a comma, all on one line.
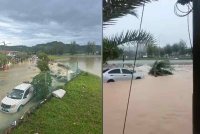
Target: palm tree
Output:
[(113, 9)]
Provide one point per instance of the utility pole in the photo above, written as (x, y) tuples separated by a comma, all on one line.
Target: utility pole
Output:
[(196, 66)]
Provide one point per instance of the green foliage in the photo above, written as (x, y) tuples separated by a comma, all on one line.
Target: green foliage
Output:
[(161, 68), (3, 59), (152, 50), (91, 47), (43, 61), (110, 50), (78, 112), (41, 84), (110, 45), (42, 65), (51, 48), (43, 56), (73, 47), (113, 9)]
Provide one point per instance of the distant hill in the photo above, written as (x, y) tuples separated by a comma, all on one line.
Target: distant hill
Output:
[(54, 47)]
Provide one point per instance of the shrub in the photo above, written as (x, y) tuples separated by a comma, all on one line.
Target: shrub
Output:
[(42, 83), (161, 68), (43, 65)]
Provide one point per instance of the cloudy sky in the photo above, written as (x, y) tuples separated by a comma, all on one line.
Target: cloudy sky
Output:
[(159, 19), (30, 22)]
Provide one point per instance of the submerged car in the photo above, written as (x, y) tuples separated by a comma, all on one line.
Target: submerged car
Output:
[(19, 96), (116, 74)]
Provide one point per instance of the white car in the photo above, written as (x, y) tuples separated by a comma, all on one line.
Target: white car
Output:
[(116, 74), (19, 96)]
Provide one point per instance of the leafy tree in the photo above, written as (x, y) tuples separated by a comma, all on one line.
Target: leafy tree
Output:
[(73, 48), (168, 49), (43, 62), (161, 68), (182, 47), (91, 47), (110, 50), (43, 65), (152, 50), (43, 56), (129, 37), (42, 83), (3, 60), (175, 48)]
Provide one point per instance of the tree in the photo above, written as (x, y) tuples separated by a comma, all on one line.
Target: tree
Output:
[(43, 62), (112, 43), (182, 47), (168, 49), (152, 50), (73, 48), (43, 56), (175, 48), (110, 50), (3, 60), (91, 47), (42, 83)]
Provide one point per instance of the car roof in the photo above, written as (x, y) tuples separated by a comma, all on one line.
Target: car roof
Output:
[(23, 86), (118, 68)]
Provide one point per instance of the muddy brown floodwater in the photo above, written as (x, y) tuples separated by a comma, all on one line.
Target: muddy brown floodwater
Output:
[(158, 105), (8, 80)]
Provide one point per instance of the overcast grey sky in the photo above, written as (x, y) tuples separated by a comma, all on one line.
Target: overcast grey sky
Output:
[(159, 19), (30, 22)]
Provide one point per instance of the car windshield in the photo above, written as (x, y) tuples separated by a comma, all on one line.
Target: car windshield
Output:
[(16, 94)]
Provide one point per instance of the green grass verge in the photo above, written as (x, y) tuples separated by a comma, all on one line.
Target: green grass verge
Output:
[(78, 112)]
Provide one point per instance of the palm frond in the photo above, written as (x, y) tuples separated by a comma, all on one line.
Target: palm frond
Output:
[(132, 36), (113, 9)]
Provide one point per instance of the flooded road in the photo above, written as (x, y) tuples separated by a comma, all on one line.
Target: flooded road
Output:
[(26, 71), (149, 62), (8, 80), (158, 105)]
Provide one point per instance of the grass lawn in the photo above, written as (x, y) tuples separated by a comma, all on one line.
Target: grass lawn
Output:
[(78, 112)]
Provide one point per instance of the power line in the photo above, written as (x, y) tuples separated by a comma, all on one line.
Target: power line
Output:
[(181, 13), (188, 25), (133, 71)]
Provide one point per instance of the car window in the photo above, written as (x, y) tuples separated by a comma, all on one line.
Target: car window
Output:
[(27, 92), (105, 70), (125, 71), (114, 71)]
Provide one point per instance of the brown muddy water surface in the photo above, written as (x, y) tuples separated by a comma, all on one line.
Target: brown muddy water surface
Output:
[(158, 105)]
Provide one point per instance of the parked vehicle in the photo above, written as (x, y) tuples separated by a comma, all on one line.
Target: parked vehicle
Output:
[(116, 74), (19, 96)]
